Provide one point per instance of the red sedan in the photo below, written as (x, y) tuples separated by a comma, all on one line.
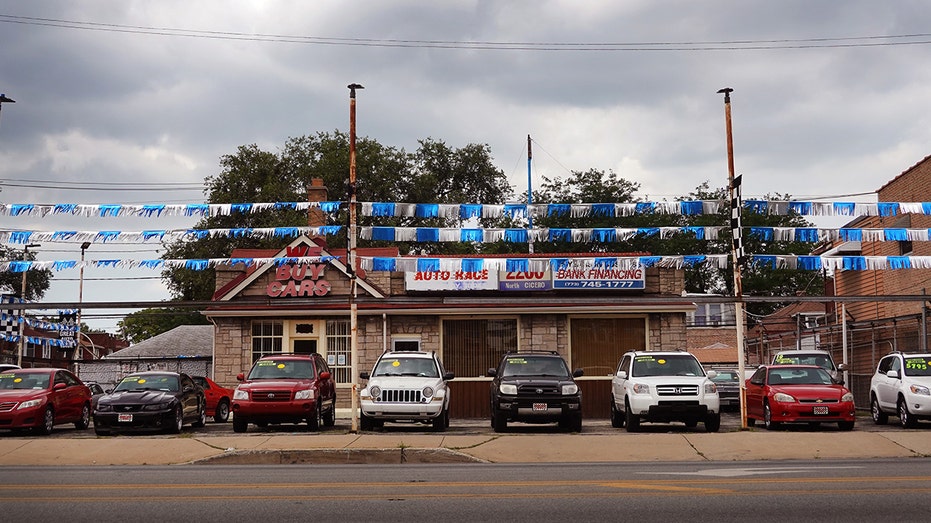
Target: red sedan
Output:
[(218, 398), (779, 394), (39, 399)]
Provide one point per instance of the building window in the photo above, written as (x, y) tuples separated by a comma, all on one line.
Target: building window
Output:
[(338, 350), (471, 347), (267, 338), (405, 345), (599, 343), (905, 248), (711, 315)]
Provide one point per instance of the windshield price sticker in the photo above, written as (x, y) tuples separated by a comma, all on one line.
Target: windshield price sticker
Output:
[(916, 364), (516, 361)]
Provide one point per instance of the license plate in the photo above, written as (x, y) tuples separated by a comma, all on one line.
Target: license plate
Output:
[(125, 418), (820, 411), (539, 406)]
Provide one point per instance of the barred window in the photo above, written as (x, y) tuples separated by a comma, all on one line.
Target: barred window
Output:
[(338, 350), (267, 336), (471, 347)]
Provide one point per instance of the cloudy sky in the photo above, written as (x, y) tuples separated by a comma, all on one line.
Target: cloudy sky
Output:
[(135, 101)]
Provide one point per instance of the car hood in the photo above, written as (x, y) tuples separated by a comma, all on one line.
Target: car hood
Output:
[(662, 380), (21, 394), (136, 397), (404, 382), (811, 392), (535, 380), (287, 384)]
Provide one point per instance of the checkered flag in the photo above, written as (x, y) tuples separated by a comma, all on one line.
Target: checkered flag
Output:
[(9, 318), (736, 229)]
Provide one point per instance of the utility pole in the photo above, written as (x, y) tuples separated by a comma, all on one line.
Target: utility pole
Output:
[(5, 100), (736, 252), (529, 197), (353, 310)]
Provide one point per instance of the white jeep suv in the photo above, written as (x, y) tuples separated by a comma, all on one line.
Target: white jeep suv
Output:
[(662, 387), (901, 386), (406, 386)]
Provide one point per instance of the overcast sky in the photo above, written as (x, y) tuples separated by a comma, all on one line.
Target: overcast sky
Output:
[(830, 98)]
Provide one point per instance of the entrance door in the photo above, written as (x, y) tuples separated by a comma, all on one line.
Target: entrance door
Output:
[(304, 346)]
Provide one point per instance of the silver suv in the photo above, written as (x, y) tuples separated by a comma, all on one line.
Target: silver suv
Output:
[(661, 387), (406, 387), (901, 386), (821, 358)]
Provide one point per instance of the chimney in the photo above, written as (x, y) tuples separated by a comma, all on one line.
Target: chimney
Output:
[(317, 192)]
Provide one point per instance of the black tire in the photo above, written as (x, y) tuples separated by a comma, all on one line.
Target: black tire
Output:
[(441, 422), (201, 415), (905, 417), (692, 423), (617, 420), (768, 418), (329, 419), (845, 425), (631, 420), (101, 431), (85, 420), (365, 422), (313, 422), (879, 417), (240, 424), (575, 424), (713, 422), (222, 414), (177, 422), (500, 422), (751, 422), (48, 422)]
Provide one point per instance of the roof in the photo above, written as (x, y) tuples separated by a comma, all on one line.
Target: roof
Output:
[(185, 341), (715, 353)]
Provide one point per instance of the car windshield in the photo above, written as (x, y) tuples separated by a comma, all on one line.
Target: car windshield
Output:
[(162, 382), (535, 366), (401, 366), (725, 375), (666, 365), (282, 369), (22, 380), (918, 366), (810, 376), (821, 360)]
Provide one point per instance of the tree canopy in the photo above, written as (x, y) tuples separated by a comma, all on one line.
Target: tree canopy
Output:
[(37, 280)]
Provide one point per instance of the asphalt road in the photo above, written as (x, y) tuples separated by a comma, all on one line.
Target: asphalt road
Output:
[(871, 490)]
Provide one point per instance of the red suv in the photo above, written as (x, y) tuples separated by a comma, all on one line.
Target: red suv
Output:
[(285, 388)]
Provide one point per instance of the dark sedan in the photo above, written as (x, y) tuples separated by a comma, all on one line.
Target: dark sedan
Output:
[(151, 401), (728, 384)]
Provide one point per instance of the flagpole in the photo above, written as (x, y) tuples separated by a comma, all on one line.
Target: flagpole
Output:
[(529, 196)]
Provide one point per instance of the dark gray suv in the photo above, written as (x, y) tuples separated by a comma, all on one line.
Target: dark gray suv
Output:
[(535, 387)]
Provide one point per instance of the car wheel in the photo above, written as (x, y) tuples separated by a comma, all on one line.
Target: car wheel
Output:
[(101, 431), (905, 417), (630, 419), (768, 418), (879, 417), (845, 425), (222, 415), (751, 422), (201, 416), (692, 423), (313, 422), (575, 423), (440, 422), (85, 420), (240, 424), (365, 422), (617, 420), (48, 422), (500, 422), (329, 419), (177, 422), (713, 422)]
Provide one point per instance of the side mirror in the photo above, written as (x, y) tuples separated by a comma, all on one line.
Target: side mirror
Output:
[(492, 372), (577, 373), (892, 374), (187, 388), (241, 377), (448, 376), (622, 374), (712, 374), (59, 386), (842, 367), (324, 375), (364, 375)]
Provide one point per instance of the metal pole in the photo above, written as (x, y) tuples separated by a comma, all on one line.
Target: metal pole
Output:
[(529, 195), (22, 312), (77, 337), (353, 312), (738, 290), (5, 100)]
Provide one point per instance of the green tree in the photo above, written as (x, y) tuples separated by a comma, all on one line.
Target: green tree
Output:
[(37, 280)]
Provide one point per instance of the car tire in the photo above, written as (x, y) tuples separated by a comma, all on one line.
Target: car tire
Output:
[(879, 417), (441, 422), (617, 420), (329, 419), (751, 422), (48, 422), (365, 422), (313, 422), (768, 418), (575, 423), (101, 431), (177, 421), (240, 424), (692, 423), (500, 422), (713, 422), (85, 420), (845, 425), (222, 414), (631, 420), (905, 417), (201, 415)]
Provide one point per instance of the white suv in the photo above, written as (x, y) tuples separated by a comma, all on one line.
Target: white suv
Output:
[(663, 387), (406, 387), (901, 386)]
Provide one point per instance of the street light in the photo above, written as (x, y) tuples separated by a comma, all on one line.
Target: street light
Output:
[(4, 99), (22, 312), (77, 338)]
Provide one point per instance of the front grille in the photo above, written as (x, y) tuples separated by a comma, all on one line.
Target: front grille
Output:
[(271, 395), (816, 401), (7, 406), (400, 396), (537, 390), (127, 408), (677, 390)]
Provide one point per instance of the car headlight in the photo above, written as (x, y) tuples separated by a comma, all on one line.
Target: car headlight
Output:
[(711, 388), (306, 394), (508, 388), (375, 391), (104, 407), (239, 394), (569, 389), (31, 403), (783, 398), (156, 406), (427, 392), (847, 397), (640, 388), (919, 389)]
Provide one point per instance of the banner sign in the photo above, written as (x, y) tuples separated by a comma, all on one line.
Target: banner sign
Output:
[(584, 274), (525, 281), (483, 280)]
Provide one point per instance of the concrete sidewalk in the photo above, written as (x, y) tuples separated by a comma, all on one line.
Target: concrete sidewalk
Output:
[(498, 448)]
